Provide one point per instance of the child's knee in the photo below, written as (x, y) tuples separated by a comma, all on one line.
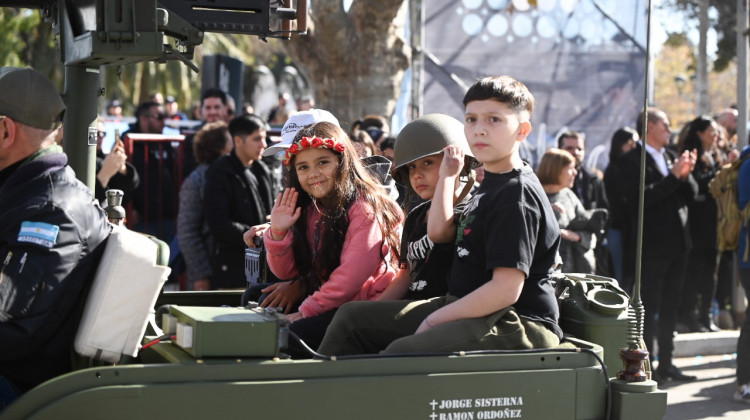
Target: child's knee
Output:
[(352, 308), (350, 313), (404, 345)]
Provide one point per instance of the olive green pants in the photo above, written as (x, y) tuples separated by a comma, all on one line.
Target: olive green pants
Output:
[(388, 326)]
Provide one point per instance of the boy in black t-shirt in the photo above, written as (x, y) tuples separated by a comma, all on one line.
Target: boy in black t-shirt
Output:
[(499, 291)]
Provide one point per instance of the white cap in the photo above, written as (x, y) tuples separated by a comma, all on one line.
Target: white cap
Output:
[(297, 122)]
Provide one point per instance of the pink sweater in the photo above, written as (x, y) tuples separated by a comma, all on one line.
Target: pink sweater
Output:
[(363, 273)]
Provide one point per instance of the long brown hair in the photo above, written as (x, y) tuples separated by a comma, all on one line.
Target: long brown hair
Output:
[(691, 140), (353, 181)]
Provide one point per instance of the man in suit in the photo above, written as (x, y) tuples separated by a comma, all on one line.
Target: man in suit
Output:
[(666, 238)]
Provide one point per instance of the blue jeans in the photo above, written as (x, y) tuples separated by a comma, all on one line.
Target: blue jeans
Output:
[(743, 344), (8, 393)]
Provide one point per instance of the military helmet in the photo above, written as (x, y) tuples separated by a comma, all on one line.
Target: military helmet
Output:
[(425, 136)]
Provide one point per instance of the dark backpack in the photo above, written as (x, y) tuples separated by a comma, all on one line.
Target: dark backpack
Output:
[(723, 187)]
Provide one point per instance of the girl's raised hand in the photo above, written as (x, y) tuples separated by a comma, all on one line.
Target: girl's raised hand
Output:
[(453, 161), (285, 211)]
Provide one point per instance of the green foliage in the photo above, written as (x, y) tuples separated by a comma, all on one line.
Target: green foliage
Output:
[(688, 6), (677, 39), (16, 26), (725, 25), (726, 29), (25, 40)]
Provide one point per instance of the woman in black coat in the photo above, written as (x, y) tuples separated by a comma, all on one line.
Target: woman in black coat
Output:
[(701, 135), (619, 221)]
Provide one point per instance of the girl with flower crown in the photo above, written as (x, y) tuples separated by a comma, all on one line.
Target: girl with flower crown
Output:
[(334, 233)]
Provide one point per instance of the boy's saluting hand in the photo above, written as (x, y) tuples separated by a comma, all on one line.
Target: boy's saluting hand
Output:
[(453, 162)]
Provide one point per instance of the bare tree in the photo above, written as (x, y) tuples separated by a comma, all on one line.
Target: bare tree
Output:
[(355, 60)]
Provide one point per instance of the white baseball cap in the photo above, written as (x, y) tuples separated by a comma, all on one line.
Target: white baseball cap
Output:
[(297, 122)]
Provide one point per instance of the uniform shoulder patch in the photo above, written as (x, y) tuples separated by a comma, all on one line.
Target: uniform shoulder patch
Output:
[(39, 233)]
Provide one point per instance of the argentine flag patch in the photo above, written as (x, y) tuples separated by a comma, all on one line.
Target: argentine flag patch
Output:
[(39, 233)]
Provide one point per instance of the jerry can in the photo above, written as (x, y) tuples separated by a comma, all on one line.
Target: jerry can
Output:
[(594, 308)]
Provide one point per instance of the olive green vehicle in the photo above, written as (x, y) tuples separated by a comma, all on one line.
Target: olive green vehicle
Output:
[(213, 359), (233, 366)]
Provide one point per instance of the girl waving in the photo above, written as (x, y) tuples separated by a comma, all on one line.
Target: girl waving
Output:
[(334, 233)]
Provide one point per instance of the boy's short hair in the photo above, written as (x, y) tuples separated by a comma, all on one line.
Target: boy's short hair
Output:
[(214, 93), (246, 124), (145, 107), (568, 134), (552, 164), (503, 89)]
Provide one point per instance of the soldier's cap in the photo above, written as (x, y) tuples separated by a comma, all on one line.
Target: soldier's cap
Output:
[(28, 97), (297, 122), (169, 99)]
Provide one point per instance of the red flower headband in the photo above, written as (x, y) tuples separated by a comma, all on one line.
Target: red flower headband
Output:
[(312, 143)]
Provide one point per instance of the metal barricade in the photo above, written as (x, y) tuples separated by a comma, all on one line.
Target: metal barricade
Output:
[(158, 159)]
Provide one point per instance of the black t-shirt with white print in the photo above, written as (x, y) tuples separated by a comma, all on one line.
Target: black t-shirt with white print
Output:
[(429, 263)]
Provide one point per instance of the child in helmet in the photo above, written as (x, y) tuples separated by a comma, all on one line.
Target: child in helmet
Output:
[(333, 232), (500, 293), (418, 152)]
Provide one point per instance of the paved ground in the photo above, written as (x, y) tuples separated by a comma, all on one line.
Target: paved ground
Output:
[(711, 397)]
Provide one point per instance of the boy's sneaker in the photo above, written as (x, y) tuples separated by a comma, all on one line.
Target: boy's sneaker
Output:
[(742, 393)]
